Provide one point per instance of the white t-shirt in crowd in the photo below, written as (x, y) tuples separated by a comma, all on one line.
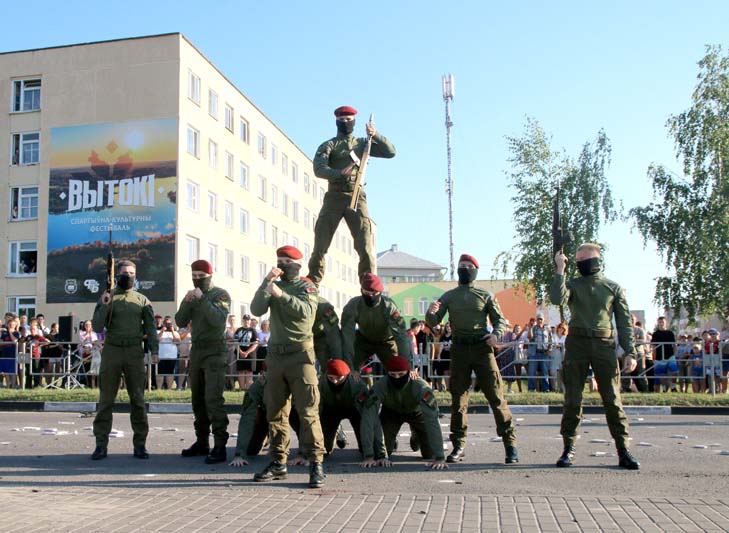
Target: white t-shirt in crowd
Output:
[(167, 346)]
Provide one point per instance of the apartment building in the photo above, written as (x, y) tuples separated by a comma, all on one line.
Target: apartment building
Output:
[(143, 143)]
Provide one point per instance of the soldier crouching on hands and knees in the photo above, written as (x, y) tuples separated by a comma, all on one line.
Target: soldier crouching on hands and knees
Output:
[(593, 301), (470, 308), (207, 308), (406, 399), (128, 316), (291, 301)]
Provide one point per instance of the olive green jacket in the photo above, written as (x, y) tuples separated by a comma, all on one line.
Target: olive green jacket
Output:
[(593, 302), (333, 155), (469, 309), (326, 328), (292, 315), (208, 316), (132, 318)]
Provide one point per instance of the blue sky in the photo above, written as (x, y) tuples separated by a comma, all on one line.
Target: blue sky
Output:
[(576, 67)]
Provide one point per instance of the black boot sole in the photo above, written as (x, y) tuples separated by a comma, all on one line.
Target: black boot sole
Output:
[(272, 478)]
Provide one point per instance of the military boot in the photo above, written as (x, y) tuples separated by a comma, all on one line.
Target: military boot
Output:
[(316, 475), (198, 448), (512, 456), (140, 452), (456, 455), (341, 438), (414, 442), (216, 455), (99, 453), (568, 454), (626, 460), (274, 470)]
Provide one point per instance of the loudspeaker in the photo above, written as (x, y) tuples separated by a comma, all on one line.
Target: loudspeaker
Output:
[(65, 328)]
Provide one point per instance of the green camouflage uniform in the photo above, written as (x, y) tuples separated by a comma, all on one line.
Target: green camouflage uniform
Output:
[(415, 404), (327, 335), (252, 426), (290, 366), (469, 309), (382, 331), (331, 157), (208, 362), (593, 302), (131, 318)]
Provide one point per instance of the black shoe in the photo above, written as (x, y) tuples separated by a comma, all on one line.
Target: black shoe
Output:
[(99, 453), (456, 455), (414, 442), (198, 448), (512, 456), (341, 438), (316, 475), (627, 460), (216, 455), (274, 470), (565, 460), (140, 452)]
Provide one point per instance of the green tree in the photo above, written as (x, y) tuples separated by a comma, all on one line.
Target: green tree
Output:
[(688, 218), (586, 202)]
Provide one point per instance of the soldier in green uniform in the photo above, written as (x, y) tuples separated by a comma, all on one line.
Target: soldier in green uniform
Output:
[(593, 301), (207, 307), (381, 330), (127, 316), (404, 399), (472, 350), (252, 426), (292, 302), (327, 335), (334, 162)]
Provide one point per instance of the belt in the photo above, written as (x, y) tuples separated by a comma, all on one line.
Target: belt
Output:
[(468, 340), (341, 187), (281, 349), (591, 332), (123, 343)]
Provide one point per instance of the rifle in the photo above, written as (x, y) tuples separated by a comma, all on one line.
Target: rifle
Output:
[(560, 236), (110, 276), (361, 170)]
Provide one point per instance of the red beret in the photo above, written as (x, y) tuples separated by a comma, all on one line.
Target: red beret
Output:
[(337, 367), (466, 257), (202, 266), (344, 111), (397, 363), (366, 370), (290, 252), (370, 282)]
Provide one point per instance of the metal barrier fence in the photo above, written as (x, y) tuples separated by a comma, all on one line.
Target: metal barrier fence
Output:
[(71, 365)]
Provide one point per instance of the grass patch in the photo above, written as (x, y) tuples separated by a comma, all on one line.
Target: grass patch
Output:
[(444, 398)]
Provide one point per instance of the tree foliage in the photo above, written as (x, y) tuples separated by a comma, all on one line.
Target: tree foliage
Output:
[(586, 202), (688, 218)]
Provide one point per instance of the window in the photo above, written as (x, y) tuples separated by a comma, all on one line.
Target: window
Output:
[(408, 306), (262, 188), (285, 204), (245, 309), (244, 130), (193, 141), (243, 176), (213, 104), (245, 274), (193, 196), (229, 263), (285, 164), (295, 172), (193, 87), (23, 203), (313, 190), (229, 118), (274, 155), (212, 205), (274, 236), (321, 195), (262, 228), (285, 238), (23, 258), (229, 165), (307, 253), (274, 196), (295, 242), (213, 256), (307, 182), (262, 271), (228, 210), (423, 304), (307, 218), (26, 95), (212, 154), (26, 148), (295, 209), (262, 149), (193, 249), (243, 218), (21, 305)]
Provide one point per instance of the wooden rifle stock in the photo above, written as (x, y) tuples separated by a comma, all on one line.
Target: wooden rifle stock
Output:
[(361, 171), (110, 277)]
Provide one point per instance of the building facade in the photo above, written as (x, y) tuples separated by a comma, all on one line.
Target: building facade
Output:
[(145, 136), (394, 266)]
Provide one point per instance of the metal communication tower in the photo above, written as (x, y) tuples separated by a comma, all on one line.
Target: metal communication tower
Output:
[(449, 90)]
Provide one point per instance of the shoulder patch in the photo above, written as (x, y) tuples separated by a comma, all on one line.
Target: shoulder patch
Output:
[(225, 297), (396, 315), (306, 279), (328, 312)]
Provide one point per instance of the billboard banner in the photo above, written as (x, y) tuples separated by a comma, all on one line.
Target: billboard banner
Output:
[(120, 177)]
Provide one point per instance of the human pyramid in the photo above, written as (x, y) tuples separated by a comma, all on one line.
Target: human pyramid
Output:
[(304, 328)]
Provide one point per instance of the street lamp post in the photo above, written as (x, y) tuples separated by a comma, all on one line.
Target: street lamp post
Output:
[(449, 90)]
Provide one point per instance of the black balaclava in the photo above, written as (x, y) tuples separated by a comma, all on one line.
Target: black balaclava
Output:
[(588, 267), (345, 127), (400, 382), (371, 301), (291, 270), (203, 284), (467, 275), (125, 281)]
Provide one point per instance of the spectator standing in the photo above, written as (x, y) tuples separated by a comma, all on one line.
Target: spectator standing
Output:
[(698, 379), (555, 368), (54, 352), (540, 336), (9, 345), (683, 356), (263, 335), (34, 341), (246, 338), (89, 351), (44, 329), (442, 364), (664, 361), (168, 339), (183, 351), (712, 359), (507, 358)]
